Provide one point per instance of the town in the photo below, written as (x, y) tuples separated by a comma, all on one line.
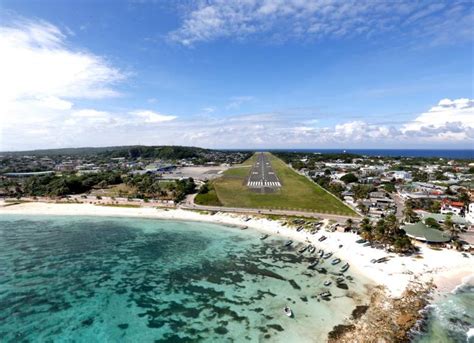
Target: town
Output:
[(431, 198)]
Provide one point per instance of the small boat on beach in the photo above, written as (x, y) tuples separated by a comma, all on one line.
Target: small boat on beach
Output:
[(325, 295), (327, 283), (299, 228), (350, 278), (314, 264), (327, 255), (340, 280), (262, 237), (344, 267), (335, 261), (311, 249), (322, 238), (288, 243), (321, 270), (288, 311), (244, 228), (303, 249)]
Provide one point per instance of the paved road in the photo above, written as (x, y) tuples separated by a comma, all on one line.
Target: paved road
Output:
[(189, 204), (262, 174)]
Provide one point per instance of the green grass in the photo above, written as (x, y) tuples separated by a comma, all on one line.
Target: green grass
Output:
[(297, 193), (120, 205), (210, 198)]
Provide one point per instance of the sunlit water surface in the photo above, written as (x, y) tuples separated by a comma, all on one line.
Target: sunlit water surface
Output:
[(93, 279)]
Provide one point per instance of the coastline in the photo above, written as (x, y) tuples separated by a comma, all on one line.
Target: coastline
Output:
[(445, 268)]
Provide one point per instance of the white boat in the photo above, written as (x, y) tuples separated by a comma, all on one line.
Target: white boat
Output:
[(288, 311)]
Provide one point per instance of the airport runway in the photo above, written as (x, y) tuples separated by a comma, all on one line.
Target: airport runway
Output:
[(262, 174)]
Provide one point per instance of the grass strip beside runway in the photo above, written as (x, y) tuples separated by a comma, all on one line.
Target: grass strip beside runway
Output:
[(297, 192)]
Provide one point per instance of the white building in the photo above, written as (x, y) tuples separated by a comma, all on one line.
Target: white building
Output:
[(470, 213)]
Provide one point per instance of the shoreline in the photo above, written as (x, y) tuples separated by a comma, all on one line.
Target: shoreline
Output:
[(446, 269)]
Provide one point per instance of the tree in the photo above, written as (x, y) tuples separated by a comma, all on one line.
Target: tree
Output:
[(349, 223), (349, 178), (450, 227), (389, 187), (408, 213), (431, 222), (362, 208)]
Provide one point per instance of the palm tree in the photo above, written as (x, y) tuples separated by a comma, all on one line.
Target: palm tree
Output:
[(409, 214), (349, 223), (450, 227)]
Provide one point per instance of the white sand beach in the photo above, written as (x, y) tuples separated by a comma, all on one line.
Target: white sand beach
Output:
[(447, 268)]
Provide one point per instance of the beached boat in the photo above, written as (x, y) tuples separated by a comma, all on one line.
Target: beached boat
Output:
[(327, 283), (340, 280), (327, 255), (326, 294), (288, 311), (321, 270), (311, 249), (321, 252), (335, 261), (244, 228), (302, 249), (262, 237), (350, 278), (288, 243), (322, 238), (361, 241), (299, 228), (314, 264), (345, 267)]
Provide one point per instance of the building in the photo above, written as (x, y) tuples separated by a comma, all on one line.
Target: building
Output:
[(423, 233), (470, 213), (452, 207), (402, 175)]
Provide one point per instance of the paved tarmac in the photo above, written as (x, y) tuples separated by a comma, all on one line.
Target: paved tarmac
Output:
[(262, 174)]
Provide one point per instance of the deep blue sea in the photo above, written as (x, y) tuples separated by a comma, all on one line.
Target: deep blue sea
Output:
[(454, 154), (98, 279)]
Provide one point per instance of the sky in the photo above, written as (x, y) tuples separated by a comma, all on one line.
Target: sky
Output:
[(237, 74)]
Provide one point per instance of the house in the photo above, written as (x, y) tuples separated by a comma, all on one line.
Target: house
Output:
[(423, 233), (452, 207), (470, 214)]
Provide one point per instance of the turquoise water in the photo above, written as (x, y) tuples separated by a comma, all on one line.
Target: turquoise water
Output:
[(450, 319), (89, 279)]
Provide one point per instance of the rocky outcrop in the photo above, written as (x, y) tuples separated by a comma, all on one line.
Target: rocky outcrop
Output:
[(386, 319)]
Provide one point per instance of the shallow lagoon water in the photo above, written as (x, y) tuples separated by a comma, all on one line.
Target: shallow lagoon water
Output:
[(96, 279)]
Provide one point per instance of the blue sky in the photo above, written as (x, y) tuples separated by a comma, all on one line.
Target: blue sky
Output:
[(237, 74)]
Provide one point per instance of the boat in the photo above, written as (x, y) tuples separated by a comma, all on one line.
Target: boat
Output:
[(327, 255), (313, 232), (288, 243), (340, 280), (335, 261), (345, 267), (312, 249), (302, 250), (262, 237), (244, 228), (321, 270), (348, 277), (361, 241), (321, 252), (322, 238), (299, 228), (288, 311), (314, 264), (326, 294), (327, 283), (247, 219)]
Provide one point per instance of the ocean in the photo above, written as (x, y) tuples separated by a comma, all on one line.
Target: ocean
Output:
[(441, 153), (450, 318), (99, 279)]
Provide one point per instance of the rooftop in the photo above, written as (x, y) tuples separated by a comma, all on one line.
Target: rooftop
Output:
[(421, 232)]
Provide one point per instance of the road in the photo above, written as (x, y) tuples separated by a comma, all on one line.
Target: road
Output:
[(262, 174), (189, 204)]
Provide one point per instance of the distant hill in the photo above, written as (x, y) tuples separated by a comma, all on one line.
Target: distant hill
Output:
[(134, 151)]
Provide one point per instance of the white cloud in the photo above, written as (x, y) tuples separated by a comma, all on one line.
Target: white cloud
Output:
[(448, 120), (297, 19), (152, 117), (237, 101)]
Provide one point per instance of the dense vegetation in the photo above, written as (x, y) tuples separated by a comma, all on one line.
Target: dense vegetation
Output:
[(386, 231)]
